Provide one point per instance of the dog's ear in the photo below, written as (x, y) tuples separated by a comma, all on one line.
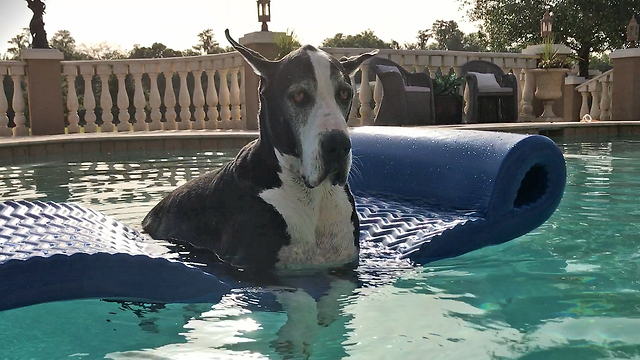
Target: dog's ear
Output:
[(259, 63), (351, 64)]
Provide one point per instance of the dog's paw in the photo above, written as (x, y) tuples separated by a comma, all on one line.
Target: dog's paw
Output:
[(329, 304)]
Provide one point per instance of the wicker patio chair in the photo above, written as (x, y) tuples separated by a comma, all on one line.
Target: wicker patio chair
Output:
[(407, 97), (493, 95)]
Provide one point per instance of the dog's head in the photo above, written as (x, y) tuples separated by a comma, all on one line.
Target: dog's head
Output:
[(305, 102)]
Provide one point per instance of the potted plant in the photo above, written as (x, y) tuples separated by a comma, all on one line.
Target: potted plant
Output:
[(552, 68), (447, 98)]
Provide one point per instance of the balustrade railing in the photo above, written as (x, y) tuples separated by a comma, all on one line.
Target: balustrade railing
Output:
[(596, 96), (200, 92), (13, 119)]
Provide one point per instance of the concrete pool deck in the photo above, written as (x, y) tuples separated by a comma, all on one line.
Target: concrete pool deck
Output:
[(76, 146)]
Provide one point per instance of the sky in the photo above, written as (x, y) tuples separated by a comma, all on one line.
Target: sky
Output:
[(176, 23)]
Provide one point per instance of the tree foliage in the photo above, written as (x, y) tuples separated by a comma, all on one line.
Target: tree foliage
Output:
[(365, 39), (19, 43), (207, 43), (585, 26), (157, 50), (101, 51), (286, 43)]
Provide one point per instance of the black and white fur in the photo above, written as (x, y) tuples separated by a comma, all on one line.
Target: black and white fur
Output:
[(284, 201)]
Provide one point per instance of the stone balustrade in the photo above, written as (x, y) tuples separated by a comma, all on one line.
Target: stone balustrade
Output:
[(12, 72), (132, 95), (596, 96), (156, 94)]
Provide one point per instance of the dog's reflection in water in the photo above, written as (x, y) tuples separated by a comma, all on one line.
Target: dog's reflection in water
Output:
[(312, 300)]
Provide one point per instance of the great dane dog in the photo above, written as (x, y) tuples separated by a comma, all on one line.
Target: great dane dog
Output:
[(284, 202)]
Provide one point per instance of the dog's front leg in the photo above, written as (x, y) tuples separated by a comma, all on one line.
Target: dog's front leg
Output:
[(298, 333), (329, 304)]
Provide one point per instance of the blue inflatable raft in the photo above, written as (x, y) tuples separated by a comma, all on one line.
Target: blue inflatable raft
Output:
[(421, 195)]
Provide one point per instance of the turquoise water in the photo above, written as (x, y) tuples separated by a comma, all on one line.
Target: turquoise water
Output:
[(568, 290)]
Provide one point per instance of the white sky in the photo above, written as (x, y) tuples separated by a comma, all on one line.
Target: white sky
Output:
[(176, 23)]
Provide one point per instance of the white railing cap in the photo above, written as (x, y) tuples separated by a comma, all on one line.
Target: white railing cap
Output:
[(584, 86), (625, 53), (430, 53), (233, 54)]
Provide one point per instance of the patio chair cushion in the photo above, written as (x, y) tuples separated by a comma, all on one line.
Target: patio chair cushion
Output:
[(486, 81)]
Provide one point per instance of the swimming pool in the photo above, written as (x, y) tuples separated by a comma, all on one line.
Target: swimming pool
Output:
[(568, 290)]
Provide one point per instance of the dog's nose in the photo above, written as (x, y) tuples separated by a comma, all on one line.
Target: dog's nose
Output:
[(335, 145)]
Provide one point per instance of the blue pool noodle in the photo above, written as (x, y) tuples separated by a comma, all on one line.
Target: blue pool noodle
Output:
[(507, 184), (513, 182)]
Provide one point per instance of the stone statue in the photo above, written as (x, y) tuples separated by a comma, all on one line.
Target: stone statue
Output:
[(36, 26)]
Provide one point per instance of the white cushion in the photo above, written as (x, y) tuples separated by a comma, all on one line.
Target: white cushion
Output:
[(385, 68), (486, 82)]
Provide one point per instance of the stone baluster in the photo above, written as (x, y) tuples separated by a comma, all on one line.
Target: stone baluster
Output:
[(155, 101), (422, 62), (355, 103), (70, 72), (378, 93), (409, 62), (198, 95), (510, 66), (121, 70), (137, 69), (460, 60), (169, 97), (448, 62), (235, 99), (605, 101), (4, 106), (243, 100), (365, 96), (89, 101), (17, 72), (596, 89), (584, 108), (519, 73), (183, 97), (466, 101), (212, 100), (527, 95), (106, 104), (225, 102)]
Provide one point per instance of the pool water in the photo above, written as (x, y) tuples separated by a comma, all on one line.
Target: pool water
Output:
[(568, 290)]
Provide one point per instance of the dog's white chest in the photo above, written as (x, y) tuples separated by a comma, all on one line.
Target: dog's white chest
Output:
[(318, 222)]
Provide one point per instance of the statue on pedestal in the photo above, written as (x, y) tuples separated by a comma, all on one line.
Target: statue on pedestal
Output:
[(36, 26)]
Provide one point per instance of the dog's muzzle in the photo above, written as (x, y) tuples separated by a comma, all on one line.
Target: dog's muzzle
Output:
[(336, 149)]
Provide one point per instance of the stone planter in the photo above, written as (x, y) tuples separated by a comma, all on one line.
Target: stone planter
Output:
[(549, 84)]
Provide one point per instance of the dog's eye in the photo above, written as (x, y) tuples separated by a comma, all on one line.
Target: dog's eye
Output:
[(298, 97), (344, 94)]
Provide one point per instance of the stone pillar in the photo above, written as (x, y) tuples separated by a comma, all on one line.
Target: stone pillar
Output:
[(572, 99), (44, 75), (264, 43), (626, 89)]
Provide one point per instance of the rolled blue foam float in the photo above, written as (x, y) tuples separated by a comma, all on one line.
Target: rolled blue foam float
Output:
[(421, 194)]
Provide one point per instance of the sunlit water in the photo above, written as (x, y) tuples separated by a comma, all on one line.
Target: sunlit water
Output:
[(568, 290)]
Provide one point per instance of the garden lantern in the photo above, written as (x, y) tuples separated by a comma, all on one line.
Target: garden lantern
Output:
[(264, 13), (632, 31), (546, 25)]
